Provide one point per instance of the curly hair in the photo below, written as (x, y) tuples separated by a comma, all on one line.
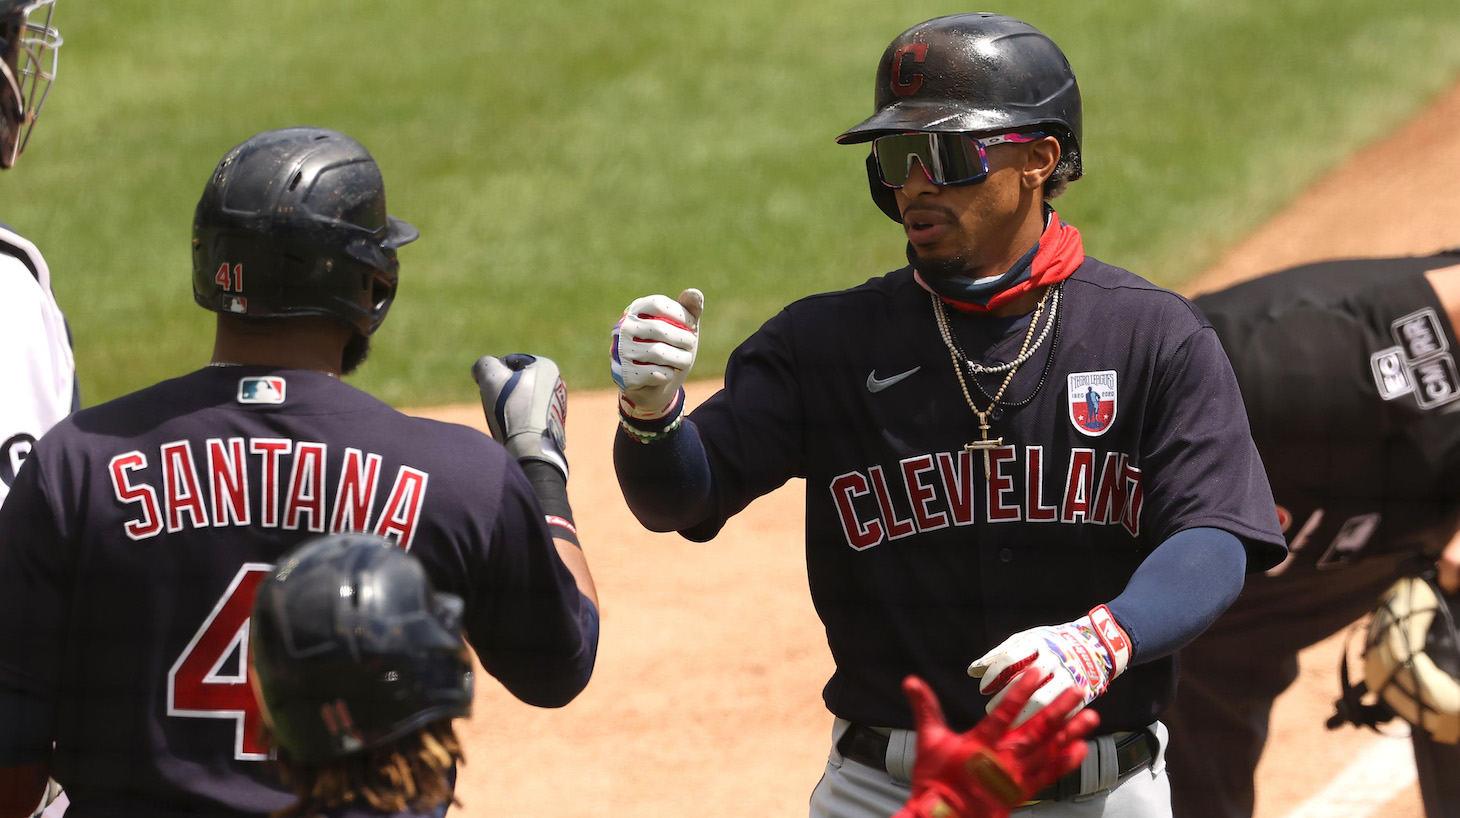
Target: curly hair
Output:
[(1064, 170), (410, 772)]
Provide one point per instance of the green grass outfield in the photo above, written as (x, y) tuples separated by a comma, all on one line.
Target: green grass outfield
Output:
[(561, 158)]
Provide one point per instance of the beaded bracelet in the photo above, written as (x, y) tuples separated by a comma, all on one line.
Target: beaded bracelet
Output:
[(643, 436)]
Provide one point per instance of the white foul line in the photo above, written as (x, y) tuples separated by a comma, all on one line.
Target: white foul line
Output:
[(1362, 788)]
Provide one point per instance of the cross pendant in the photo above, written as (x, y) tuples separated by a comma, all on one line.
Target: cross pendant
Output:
[(984, 445)]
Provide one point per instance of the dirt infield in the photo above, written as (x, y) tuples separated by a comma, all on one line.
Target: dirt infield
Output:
[(706, 699)]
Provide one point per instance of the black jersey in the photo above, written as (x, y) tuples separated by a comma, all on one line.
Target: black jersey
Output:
[(137, 531), (1348, 369), (1133, 432)]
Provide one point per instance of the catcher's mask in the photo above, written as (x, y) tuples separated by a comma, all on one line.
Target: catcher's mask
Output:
[(350, 648), (29, 50), (293, 223), (1411, 662), (974, 74)]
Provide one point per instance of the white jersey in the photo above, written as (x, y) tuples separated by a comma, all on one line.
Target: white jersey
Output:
[(37, 370)]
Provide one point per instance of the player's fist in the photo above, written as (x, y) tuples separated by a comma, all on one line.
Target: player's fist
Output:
[(1083, 656), (995, 766), (526, 404), (653, 348)]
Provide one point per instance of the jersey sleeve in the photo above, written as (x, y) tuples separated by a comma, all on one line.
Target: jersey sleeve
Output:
[(753, 430), (531, 627), (1200, 467), (34, 587)]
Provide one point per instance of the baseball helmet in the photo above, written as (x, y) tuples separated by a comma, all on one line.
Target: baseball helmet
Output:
[(350, 648), (1412, 656), (293, 223), (972, 73), (29, 50)]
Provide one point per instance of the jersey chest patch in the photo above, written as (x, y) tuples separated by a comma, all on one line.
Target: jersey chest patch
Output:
[(257, 390), (1093, 401)]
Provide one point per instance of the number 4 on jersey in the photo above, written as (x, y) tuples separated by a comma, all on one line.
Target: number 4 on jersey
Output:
[(199, 687)]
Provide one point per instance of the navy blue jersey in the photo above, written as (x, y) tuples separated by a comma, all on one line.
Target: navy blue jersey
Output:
[(137, 531), (919, 564), (1348, 369)]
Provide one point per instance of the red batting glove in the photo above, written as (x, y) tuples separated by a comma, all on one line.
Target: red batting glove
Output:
[(990, 769)]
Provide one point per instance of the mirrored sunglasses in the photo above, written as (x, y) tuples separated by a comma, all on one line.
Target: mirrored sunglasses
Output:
[(947, 158)]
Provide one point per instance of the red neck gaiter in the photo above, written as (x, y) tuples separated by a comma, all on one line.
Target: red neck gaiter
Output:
[(1059, 252)]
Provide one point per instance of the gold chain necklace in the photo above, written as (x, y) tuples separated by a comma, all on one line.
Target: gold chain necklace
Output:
[(985, 444)]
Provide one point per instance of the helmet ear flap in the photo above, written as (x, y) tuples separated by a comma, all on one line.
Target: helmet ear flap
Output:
[(884, 196)]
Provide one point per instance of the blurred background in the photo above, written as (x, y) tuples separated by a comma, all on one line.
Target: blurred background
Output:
[(561, 158)]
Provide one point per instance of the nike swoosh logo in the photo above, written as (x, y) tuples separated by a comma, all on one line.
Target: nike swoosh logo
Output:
[(876, 384)]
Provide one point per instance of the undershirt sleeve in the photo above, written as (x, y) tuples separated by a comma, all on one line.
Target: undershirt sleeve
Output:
[(1179, 590), (666, 483)]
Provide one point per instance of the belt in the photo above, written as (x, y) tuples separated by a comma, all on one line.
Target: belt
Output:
[(1133, 751)]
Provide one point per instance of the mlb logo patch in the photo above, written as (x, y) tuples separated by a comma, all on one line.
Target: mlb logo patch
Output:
[(235, 303), (1092, 401), (267, 389)]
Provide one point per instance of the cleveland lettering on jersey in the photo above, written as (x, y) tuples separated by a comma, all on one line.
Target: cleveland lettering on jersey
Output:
[(181, 488), (932, 491)]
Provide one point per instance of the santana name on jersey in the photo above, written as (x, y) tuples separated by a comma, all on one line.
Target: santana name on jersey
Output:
[(940, 491), (214, 490)]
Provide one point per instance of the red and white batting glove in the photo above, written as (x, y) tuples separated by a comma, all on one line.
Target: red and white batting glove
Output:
[(653, 349), (993, 767), (1083, 655)]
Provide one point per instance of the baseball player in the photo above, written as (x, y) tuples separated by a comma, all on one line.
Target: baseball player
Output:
[(359, 671), (36, 365), (1349, 373), (359, 668), (965, 518), (138, 530)]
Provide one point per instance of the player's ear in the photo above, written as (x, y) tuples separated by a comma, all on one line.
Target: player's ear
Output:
[(1039, 162)]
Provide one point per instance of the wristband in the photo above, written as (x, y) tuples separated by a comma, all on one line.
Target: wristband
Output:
[(552, 494), (643, 436), (1113, 637)]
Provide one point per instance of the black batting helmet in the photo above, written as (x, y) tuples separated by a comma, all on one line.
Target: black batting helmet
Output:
[(972, 73), (293, 223), (350, 649)]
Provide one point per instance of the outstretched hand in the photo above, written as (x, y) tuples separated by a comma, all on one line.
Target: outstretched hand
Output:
[(986, 771)]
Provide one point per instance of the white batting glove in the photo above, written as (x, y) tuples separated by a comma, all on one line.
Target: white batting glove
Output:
[(526, 404), (654, 347), (1084, 655)]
